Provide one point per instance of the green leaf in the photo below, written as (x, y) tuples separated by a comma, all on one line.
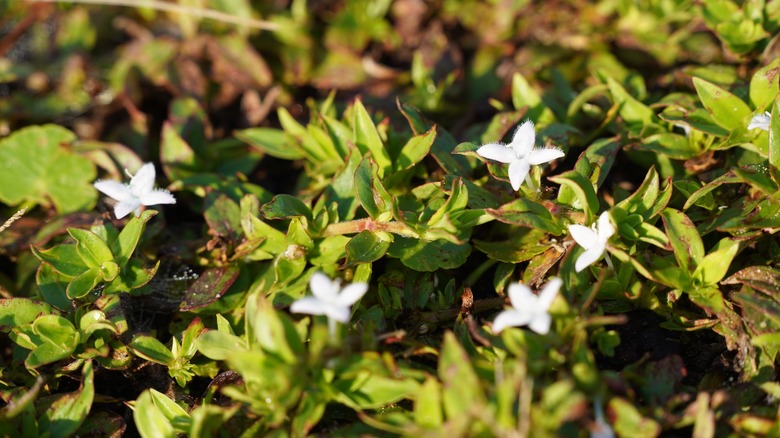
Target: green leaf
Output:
[(125, 245), (458, 200), (209, 287), (219, 345), (15, 312), (285, 207), (643, 200), (728, 110), (442, 147), (272, 142), (764, 85), (178, 158), (35, 167), (149, 419), (369, 189), (80, 286), (149, 348), (55, 338), (272, 330), (62, 258), (708, 297), (66, 414), (53, 286), (461, 388), (684, 237), (367, 247), (526, 213), (715, 264), (415, 150), (91, 248), (367, 138), (584, 191), (429, 256), (428, 405), (774, 136), (630, 109), (523, 95), (521, 246), (630, 422), (675, 146)]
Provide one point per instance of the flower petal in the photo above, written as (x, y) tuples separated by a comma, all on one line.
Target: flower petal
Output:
[(589, 257), (548, 293), (123, 208), (510, 318), (497, 152), (114, 189), (543, 155), (605, 227), (584, 236), (518, 170), (521, 296), (323, 287), (157, 196), (524, 139), (760, 121), (351, 293), (309, 306), (143, 181), (341, 314), (540, 323)]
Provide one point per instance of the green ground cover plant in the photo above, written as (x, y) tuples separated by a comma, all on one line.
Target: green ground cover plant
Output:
[(389, 218)]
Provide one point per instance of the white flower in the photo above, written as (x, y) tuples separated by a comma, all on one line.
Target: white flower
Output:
[(520, 153), (527, 308), (760, 121), (601, 429), (329, 298), (139, 192), (593, 239)]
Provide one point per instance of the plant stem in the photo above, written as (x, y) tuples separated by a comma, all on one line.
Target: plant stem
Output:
[(475, 274), (358, 225)]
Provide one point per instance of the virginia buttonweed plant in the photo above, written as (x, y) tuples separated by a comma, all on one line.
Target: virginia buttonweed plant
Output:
[(412, 176)]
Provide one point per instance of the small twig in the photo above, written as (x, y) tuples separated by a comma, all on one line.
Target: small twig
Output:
[(18, 215), (171, 7)]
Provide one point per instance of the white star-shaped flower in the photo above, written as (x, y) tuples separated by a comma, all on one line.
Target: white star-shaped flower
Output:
[(520, 153), (760, 121), (527, 308), (593, 239), (330, 299), (140, 192)]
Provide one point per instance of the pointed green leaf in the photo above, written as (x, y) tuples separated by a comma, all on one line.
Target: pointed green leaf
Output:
[(367, 247), (367, 138), (774, 135), (582, 187), (368, 186), (91, 248), (66, 414), (125, 245), (80, 286), (149, 419), (728, 110), (631, 110), (63, 258), (716, 264), (415, 150), (764, 85), (461, 388), (684, 237), (149, 348)]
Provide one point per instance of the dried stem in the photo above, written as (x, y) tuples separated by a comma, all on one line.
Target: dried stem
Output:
[(18, 215), (172, 7), (358, 225)]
